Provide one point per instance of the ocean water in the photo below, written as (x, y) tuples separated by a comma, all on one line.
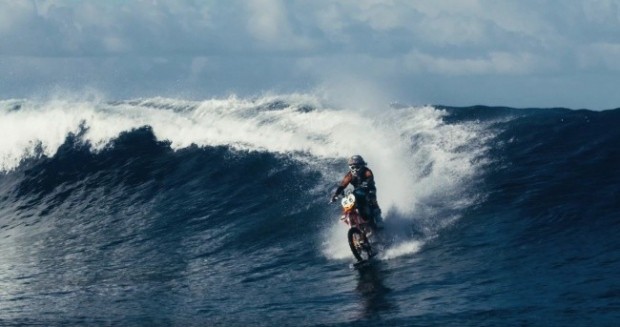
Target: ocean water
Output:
[(168, 212)]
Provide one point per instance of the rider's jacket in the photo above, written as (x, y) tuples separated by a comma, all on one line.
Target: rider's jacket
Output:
[(364, 178)]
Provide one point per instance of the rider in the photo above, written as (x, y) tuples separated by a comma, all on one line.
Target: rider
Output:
[(365, 192)]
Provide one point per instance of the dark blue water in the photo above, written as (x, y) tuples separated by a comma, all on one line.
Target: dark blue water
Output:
[(511, 218)]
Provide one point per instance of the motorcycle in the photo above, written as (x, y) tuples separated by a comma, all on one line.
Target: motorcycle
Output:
[(359, 229)]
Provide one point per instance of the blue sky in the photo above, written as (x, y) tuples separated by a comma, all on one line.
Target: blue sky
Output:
[(519, 53)]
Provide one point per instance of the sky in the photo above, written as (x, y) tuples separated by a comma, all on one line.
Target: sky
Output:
[(517, 53)]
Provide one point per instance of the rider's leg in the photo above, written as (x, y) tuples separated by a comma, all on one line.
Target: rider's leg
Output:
[(375, 211)]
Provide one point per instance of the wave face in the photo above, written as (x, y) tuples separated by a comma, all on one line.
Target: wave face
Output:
[(170, 212)]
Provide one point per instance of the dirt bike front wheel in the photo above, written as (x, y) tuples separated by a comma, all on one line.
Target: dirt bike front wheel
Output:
[(359, 244)]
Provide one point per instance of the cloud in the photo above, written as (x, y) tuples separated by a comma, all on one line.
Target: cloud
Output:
[(268, 23), (13, 15), (603, 12), (252, 46), (600, 56), (497, 63)]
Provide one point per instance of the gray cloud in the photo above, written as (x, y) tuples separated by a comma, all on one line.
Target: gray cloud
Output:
[(458, 52)]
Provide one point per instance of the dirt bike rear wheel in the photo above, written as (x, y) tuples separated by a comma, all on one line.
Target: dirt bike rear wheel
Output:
[(359, 244)]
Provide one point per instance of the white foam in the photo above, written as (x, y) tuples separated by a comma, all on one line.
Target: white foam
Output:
[(404, 248), (335, 245), (423, 167)]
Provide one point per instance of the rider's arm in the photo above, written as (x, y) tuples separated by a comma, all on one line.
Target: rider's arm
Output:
[(345, 182)]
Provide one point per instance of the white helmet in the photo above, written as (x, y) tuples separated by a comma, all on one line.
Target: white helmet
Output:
[(356, 162)]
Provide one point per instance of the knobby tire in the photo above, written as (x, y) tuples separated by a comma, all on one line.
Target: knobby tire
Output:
[(357, 252)]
